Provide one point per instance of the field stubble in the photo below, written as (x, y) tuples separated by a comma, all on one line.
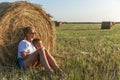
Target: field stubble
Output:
[(84, 51), (90, 53)]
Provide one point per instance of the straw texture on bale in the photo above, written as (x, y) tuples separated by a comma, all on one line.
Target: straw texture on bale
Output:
[(13, 18)]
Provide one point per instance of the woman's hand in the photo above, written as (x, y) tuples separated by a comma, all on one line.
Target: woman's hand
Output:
[(24, 54)]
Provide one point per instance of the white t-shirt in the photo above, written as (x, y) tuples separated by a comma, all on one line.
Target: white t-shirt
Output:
[(25, 46)]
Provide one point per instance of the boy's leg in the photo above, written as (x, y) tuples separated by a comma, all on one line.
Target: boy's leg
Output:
[(51, 60), (53, 64), (43, 60)]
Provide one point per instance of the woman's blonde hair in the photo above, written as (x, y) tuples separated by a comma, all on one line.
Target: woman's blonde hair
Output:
[(28, 29)]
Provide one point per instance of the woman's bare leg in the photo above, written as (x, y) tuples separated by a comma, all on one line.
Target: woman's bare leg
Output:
[(36, 63), (38, 55), (30, 60)]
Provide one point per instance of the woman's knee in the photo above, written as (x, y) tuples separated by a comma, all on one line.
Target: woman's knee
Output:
[(41, 50)]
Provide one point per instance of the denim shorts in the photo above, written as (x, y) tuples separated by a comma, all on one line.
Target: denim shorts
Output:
[(20, 63)]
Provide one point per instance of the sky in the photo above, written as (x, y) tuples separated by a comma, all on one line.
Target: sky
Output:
[(80, 10)]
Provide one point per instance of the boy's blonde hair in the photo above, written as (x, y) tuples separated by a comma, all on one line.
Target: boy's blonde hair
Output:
[(36, 41)]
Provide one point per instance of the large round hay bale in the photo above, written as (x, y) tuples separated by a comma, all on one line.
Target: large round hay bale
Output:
[(13, 18), (107, 25)]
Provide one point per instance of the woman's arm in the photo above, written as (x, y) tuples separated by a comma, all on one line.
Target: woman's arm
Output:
[(24, 54)]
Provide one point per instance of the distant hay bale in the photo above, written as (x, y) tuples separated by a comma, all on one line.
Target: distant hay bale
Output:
[(57, 24), (113, 23), (107, 25), (13, 18)]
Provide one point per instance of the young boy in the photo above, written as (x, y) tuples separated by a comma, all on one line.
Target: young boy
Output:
[(37, 43), (51, 61)]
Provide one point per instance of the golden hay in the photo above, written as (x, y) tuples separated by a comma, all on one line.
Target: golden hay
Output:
[(13, 18)]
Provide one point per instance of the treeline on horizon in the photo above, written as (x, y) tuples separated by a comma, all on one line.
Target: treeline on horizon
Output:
[(86, 22)]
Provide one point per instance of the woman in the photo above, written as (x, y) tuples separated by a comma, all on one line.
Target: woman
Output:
[(28, 54)]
